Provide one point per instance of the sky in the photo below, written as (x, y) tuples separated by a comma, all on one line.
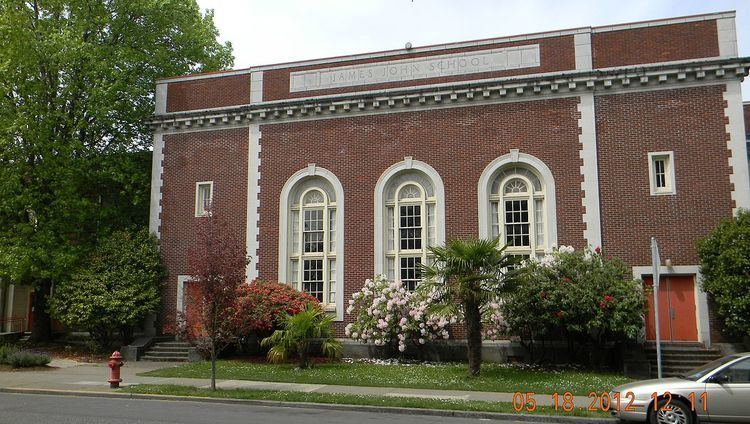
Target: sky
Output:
[(264, 32)]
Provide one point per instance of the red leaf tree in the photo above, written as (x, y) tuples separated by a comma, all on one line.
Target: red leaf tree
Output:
[(217, 269)]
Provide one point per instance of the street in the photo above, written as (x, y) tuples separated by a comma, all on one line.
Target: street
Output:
[(37, 409)]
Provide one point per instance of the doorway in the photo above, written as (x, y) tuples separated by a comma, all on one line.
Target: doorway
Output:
[(677, 317)]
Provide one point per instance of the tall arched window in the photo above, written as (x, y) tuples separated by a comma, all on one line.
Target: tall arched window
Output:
[(518, 213), (310, 243), (517, 204), (409, 211)]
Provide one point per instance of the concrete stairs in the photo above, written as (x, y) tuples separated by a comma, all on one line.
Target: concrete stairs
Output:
[(680, 357), (168, 351)]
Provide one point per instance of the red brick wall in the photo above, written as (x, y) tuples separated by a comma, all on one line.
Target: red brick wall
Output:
[(556, 54), (663, 43), (218, 156), (207, 93), (691, 123), (458, 143)]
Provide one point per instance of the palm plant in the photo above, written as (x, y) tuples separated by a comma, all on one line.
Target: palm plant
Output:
[(464, 278), (300, 331)]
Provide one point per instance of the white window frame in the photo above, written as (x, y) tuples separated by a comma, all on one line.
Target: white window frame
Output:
[(199, 208), (396, 253), (541, 170), (535, 248), (381, 211), (297, 253), (285, 227), (668, 158)]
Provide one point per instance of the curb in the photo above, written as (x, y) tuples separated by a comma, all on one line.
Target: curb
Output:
[(324, 406)]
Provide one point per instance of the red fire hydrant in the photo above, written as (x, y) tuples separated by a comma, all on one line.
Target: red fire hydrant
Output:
[(115, 362)]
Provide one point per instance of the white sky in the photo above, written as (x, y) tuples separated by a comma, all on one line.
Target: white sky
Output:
[(264, 32)]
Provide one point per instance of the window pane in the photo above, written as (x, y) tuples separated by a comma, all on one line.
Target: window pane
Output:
[(431, 225), (495, 219), (390, 272), (410, 272), (517, 222), (332, 230), (539, 221), (204, 198), (332, 281), (313, 230), (660, 173), (410, 232), (312, 278), (295, 231), (389, 217), (294, 271)]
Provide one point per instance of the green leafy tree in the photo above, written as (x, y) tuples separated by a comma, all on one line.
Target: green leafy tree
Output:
[(76, 89), (115, 291), (466, 277), (300, 332), (725, 266), (583, 297)]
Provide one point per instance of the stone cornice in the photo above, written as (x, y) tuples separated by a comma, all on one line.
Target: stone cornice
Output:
[(518, 88)]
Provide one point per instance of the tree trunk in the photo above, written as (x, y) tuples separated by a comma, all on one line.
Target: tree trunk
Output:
[(41, 330), (213, 365), (473, 337)]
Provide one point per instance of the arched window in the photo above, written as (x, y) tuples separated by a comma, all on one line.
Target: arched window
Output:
[(409, 203), (517, 204), (311, 247)]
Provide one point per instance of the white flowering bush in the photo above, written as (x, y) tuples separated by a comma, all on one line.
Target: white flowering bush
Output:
[(386, 314), (494, 325)]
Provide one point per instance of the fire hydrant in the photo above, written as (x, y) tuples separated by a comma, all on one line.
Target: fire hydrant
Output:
[(115, 362)]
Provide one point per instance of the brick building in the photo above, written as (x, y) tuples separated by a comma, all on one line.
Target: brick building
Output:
[(337, 169)]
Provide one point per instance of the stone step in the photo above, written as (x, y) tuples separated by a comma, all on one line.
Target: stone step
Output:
[(170, 349), (173, 344), (164, 358), (167, 354)]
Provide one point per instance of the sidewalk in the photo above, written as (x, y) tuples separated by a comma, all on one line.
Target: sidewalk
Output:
[(72, 376)]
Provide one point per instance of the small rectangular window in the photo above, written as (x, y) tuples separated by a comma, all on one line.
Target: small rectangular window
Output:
[(517, 223), (312, 231), (410, 227), (203, 197), (312, 278), (411, 272), (661, 173)]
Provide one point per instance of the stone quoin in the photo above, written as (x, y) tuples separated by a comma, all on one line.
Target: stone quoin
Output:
[(335, 169)]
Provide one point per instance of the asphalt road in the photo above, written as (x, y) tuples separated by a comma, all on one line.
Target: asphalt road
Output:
[(37, 409)]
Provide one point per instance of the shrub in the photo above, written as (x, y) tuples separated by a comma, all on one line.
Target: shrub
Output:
[(300, 332), (725, 266), (386, 314), (115, 291), (5, 352), (581, 296), (262, 305), (22, 359)]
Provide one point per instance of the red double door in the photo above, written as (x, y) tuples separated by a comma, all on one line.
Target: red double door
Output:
[(677, 320)]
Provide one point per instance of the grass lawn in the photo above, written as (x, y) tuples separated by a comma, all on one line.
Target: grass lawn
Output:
[(494, 378), (346, 399)]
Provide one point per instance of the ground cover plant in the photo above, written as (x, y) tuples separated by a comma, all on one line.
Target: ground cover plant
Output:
[(447, 376), (17, 358), (351, 399)]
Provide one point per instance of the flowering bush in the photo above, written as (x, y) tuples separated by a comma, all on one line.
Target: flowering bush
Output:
[(494, 325), (580, 296), (261, 306), (386, 314)]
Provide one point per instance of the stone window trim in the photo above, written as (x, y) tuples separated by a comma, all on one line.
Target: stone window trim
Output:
[(200, 201), (540, 170), (661, 173), (421, 171), (286, 202)]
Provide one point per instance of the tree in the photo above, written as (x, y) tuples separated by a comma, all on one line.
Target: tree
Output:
[(725, 267), (300, 332), (115, 291), (76, 89), (217, 269), (467, 276)]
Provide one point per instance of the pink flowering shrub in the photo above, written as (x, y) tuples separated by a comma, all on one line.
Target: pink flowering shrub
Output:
[(494, 325), (386, 314)]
